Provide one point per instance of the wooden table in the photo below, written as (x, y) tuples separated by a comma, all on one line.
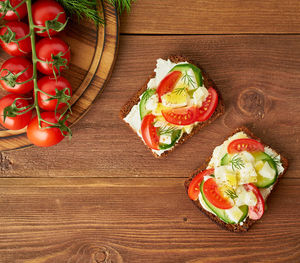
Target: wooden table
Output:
[(102, 196)]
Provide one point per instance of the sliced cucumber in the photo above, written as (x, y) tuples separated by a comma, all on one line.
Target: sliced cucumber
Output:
[(221, 213), (146, 95), (185, 67), (174, 137), (263, 182), (225, 159)]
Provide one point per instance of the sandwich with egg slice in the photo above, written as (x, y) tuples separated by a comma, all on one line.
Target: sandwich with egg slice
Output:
[(232, 187), (177, 101)]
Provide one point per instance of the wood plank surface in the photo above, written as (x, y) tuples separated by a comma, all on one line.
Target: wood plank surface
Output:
[(135, 220), (259, 80), (212, 17)]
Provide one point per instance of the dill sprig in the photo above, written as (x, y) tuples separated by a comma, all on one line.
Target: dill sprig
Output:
[(276, 160), (187, 79), (237, 162), (83, 9), (178, 91), (121, 5), (166, 130), (147, 94), (231, 193)]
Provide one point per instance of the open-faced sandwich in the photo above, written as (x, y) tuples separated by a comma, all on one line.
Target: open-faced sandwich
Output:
[(177, 101), (233, 185)]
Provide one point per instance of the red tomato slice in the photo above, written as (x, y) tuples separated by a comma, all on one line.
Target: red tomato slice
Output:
[(181, 116), (168, 83), (149, 132), (194, 189), (248, 145), (255, 212), (208, 106), (214, 196)]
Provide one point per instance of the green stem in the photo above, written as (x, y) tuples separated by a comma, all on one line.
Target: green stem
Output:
[(34, 61)]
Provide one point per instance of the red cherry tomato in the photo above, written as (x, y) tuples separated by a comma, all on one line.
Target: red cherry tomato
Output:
[(181, 116), (208, 106), (7, 41), (149, 132), (44, 137), (255, 212), (19, 121), (168, 83), (55, 51), (248, 145), (214, 196), (46, 10), (11, 75), (11, 15), (49, 85), (194, 189)]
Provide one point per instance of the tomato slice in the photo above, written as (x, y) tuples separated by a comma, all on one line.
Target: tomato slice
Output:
[(181, 116), (208, 106), (248, 145), (149, 132), (194, 187), (255, 212), (168, 83), (214, 196)]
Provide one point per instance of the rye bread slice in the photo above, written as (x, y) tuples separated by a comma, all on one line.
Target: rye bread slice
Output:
[(249, 222), (207, 83)]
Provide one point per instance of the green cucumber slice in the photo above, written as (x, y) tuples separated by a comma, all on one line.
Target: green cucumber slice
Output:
[(225, 159), (221, 213), (146, 95), (185, 67), (263, 182), (174, 137)]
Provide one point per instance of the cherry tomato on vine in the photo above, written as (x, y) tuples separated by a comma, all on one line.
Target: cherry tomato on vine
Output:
[(46, 136), (59, 88), (11, 75), (9, 35), (7, 8), (13, 121), (56, 54), (48, 13)]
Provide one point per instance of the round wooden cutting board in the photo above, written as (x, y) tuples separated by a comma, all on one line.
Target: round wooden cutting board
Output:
[(93, 53)]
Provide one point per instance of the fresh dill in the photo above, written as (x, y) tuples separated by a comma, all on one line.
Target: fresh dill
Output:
[(187, 79), (84, 9), (231, 193), (276, 160), (178, 91), (122, 5), (166, 130), (90, 9), (236, 162)]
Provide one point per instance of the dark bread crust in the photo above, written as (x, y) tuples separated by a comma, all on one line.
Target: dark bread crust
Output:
[(249, 222), (207, 83)]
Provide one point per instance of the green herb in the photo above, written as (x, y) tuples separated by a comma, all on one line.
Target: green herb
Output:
[(122, 4), (178, 91), (187, 79), (166, 130), (90, 8), (236, 162), (83, 9), (231, 193)]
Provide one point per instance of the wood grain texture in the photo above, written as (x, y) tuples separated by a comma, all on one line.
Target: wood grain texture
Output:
[(212, 17), (75, 220), (258, 77), (93, 49)]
